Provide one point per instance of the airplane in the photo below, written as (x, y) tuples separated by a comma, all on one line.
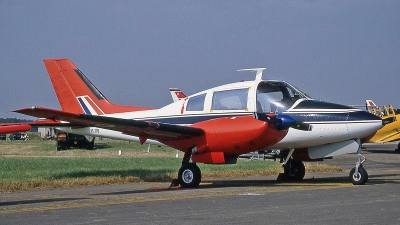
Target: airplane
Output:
[(390, 132), (217, 125)]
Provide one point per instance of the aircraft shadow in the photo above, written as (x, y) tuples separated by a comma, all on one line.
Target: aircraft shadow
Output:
[(232, 183), (101, 145), (139, 173), (24, 202), (381, 151)]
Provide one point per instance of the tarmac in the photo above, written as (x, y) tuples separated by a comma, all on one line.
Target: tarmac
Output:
[(321, 198)]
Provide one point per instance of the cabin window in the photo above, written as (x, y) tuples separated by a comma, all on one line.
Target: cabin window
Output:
[(230, 100), (196, 103)]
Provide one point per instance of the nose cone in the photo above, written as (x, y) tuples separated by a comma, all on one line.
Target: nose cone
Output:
[(361, 124)]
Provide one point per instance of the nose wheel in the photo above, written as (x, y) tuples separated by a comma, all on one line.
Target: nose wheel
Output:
[(358, 175)]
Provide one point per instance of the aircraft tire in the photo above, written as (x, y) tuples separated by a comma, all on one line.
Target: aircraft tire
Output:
[(294, 170), (189, 175), (359, 178)]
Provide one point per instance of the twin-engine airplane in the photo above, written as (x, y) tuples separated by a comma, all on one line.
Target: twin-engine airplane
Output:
[(217, 125)]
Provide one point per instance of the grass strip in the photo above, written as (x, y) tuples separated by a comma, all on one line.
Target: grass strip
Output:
[(19, 174), (35, 164)]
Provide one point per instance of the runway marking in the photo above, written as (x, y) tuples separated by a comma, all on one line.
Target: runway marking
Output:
[(251, 194), (257, 191)]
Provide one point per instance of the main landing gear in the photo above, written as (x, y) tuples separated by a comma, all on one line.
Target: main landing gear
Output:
[(189, 175), (358, 175), (293, 170)]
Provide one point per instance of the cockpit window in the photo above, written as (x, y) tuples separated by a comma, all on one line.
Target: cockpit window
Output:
[(230, 100), (277, 96), (196, 103)]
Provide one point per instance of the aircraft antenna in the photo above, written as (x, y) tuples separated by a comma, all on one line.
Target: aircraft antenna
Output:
[(259, 72)]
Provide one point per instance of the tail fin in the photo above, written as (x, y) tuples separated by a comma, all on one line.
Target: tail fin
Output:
[(76, 93), (373, 108), (369, 103), (176, 94)]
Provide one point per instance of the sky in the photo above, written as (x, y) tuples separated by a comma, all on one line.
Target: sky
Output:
[(133, 51)]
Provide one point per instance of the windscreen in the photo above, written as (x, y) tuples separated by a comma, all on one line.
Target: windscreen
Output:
[(277, 96)]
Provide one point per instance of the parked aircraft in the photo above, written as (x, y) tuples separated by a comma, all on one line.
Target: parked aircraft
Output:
[(6, 128), (12, 127), (217, 125), (390, 132)]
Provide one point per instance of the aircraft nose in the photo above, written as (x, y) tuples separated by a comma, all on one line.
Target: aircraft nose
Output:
[(361, 124)]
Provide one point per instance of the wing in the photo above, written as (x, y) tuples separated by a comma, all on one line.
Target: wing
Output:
[(141, 129)]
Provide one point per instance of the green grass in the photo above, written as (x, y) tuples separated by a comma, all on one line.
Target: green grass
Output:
[(36, 164), (29, 173), (23, 169)]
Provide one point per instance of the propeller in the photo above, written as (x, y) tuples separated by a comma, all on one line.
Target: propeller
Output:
[(283, 122)]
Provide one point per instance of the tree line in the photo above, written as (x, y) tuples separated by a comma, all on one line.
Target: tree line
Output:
[(13, 120)]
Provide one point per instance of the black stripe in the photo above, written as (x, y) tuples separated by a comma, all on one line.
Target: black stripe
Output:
[(89, 84), (332, 117), (191, 119)]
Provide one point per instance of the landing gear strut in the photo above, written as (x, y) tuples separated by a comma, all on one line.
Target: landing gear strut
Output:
[(358, 175), (189, 175)]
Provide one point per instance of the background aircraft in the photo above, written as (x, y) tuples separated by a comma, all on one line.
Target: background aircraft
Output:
[(6, 128), (391, 131), (218, 124)]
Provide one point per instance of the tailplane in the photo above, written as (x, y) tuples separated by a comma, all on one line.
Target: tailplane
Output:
[(76, 93)]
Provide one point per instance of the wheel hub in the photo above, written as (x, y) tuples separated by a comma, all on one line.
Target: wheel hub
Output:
[(356, 176), (187, 176)]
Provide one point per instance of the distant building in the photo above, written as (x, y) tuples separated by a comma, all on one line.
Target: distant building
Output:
[(46, 132)]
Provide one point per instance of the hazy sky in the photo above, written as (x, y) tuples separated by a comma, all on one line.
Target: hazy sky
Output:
[(133, 51)]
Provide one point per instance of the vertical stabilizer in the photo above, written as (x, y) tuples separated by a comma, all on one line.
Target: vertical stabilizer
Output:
[(76, 93), (176, 94)]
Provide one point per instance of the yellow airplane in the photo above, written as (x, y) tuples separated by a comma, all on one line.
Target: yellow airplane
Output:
[(391, 131)]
